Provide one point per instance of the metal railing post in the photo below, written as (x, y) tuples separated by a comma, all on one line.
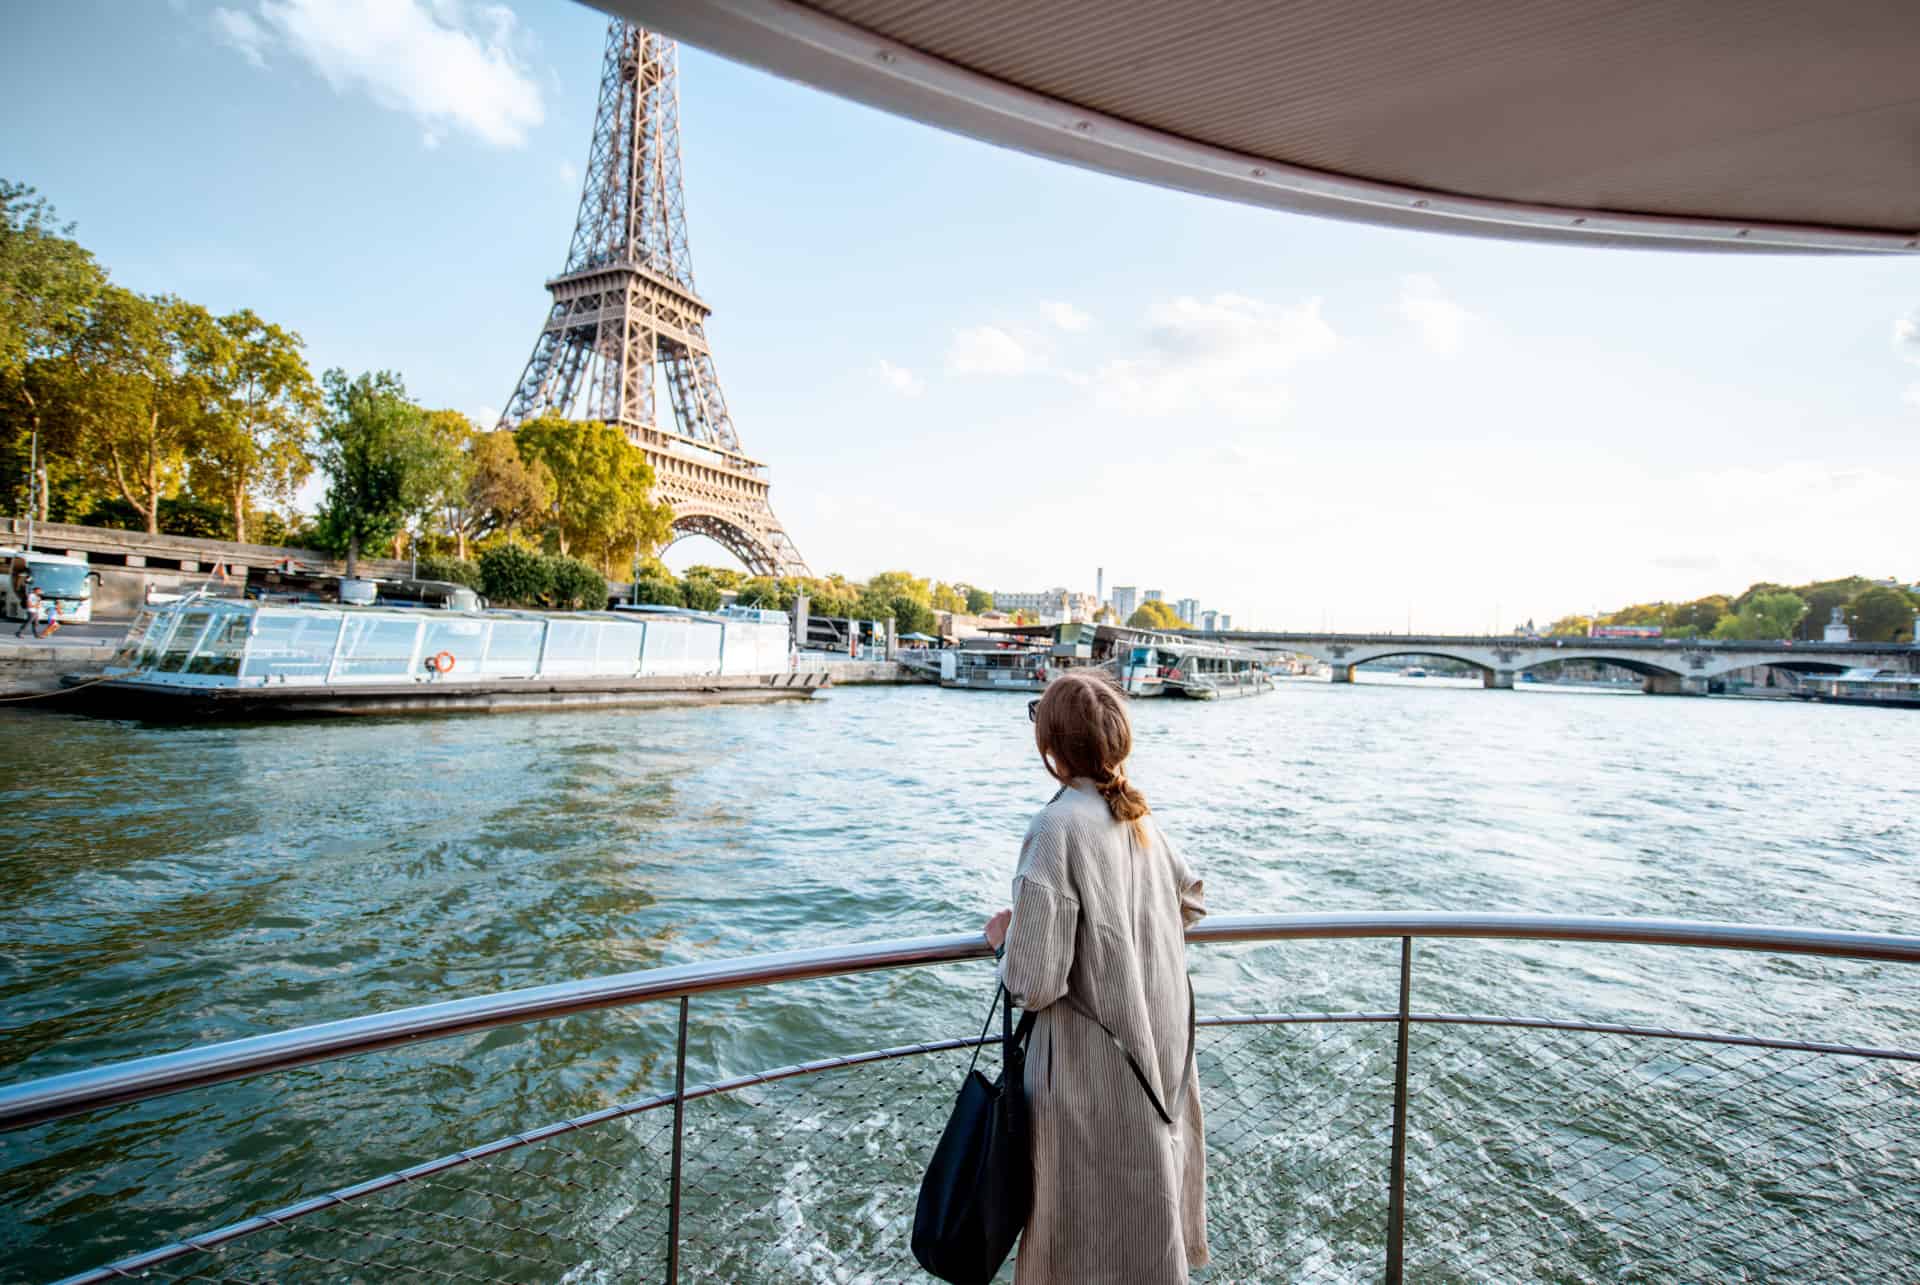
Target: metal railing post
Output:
[(1397, 1192), (679, 1116)]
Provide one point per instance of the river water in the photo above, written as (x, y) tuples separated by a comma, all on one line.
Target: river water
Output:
[(170, 886)]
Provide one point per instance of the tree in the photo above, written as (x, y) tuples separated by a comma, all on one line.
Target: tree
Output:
[(1155, 615), (893, 584), (254, 440), (1822, 598), (658, 590), (503, 493), (720, 577), (135, 397), (1570, 627), (700, 593), (1765, 616), (384, 464), (48, 285), (600, 490), (1882, 614), (453, 570), (576, 585), (978, 600), (944, 597), (513, 574)]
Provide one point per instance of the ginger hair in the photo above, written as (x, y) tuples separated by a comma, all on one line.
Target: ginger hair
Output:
[(1082, 730)]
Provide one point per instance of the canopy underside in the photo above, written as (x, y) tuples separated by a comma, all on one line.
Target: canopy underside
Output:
[(1768, 124)]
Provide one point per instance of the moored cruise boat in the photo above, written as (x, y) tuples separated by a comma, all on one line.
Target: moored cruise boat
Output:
[(219, 657), (997, 667), (1198, 671)]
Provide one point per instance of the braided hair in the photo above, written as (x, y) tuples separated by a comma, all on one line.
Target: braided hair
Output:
[(1082, 730)]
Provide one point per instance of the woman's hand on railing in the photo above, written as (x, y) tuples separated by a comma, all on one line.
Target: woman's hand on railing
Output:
[(996, 929)]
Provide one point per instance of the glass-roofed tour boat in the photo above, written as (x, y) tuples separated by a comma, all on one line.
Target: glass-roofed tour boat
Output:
[(204, 656)]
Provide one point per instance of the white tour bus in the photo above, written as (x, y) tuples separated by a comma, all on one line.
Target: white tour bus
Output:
[(63, 579)]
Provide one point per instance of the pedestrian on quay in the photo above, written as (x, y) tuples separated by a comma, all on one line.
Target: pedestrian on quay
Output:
[(1095, 946), (31, 619), (49, 616)]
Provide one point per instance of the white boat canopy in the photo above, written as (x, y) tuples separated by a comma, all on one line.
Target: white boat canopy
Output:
[(1774, 125)]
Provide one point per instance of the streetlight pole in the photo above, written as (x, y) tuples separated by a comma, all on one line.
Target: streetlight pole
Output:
[(33, 483)]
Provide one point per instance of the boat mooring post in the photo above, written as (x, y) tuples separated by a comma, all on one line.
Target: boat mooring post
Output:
[(679, 1115), (1397, 1190)]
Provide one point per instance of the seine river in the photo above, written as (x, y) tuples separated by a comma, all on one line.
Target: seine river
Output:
[(165, 887)]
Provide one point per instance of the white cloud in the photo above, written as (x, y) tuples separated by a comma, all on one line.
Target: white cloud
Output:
[(239, 30), (485, 418), (1227, 353), (451, 64), (900, 379), (1441, 322), (1906, 338), (990, 350), (1065, 315), (569, 173)]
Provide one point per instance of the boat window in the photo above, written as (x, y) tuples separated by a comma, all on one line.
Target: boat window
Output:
[(378, 645), (136, 636), (571, 645), (619, 649), (180, 646), (152, 646), (225, 643), (513, 647), (288, 644), (462, 639)]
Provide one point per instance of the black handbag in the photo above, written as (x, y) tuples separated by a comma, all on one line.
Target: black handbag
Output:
[(978, 1190)]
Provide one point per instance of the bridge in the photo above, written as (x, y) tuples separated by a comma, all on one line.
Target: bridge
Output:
[(1668, 666)]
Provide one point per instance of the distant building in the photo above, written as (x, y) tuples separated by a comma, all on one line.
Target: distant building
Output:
[(1209, 620), (1226, 622), (1099, 585), (1153, 595), (1188, 610), (1049, 606), (1837, 630), (1126, 598)]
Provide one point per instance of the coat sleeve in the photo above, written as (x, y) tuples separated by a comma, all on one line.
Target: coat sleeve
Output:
[(1193, 890), (1046, 920)]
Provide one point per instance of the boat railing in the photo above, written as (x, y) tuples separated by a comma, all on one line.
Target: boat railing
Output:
[(1397, 1141)]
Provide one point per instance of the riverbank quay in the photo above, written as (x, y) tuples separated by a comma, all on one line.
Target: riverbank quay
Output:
[(34, 666)]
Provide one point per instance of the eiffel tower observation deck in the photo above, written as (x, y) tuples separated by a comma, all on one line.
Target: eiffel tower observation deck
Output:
[(625, 307)]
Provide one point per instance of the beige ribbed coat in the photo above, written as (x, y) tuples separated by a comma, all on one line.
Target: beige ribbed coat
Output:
[(1119, 1198)]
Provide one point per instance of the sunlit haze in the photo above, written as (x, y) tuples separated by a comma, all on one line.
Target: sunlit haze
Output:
[(981, 366)]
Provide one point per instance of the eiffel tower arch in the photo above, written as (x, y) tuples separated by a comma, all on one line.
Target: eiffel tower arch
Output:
[(625, 305)]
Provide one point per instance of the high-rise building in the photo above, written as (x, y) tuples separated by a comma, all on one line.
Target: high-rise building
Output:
[(1099, 586), (1226, 622), (1209, 620), (1153, 595), (1188, 610), (1125, 598)]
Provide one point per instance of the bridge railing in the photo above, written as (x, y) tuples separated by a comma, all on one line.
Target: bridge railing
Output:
[(1397, 1141)]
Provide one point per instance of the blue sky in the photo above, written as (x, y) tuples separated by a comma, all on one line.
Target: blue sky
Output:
[(983, 366)]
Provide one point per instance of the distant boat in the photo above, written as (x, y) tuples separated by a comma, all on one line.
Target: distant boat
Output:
[(1413, 671)]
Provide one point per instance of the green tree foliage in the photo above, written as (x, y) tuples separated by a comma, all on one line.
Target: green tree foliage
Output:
[(944, 597), (179, 515), (767, 592), (513, 575), (601, 485), (574, 585), (1882, 614), (658, 591), (1570, 627), (978, 600), (700, 593), (253, 443), (48, 286), (911, 616), (722, 577), (384, 463), (454, 570), (1155, 615), (1822, 597), (1764, 616), (504, 493), (889, 585)]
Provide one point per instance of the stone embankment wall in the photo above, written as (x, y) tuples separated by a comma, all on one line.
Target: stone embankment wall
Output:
[(858, 673), (27, 667), (130, 561)]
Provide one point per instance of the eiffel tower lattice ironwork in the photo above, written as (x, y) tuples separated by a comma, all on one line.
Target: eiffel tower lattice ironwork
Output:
[(625, 303)]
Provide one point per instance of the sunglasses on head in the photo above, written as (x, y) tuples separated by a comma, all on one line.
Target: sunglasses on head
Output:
[(1033, 711)]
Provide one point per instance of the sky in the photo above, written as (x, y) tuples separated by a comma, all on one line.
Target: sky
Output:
[(986, 367)]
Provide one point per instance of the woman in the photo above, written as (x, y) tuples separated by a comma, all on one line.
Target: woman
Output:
[(1095, 946)]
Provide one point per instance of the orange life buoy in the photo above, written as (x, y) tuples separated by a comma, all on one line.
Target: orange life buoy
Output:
[(443, 663)]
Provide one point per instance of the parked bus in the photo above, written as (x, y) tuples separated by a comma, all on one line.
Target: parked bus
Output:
[(64, 581)]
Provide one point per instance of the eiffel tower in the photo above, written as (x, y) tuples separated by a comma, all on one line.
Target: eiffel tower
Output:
[(626, 302)]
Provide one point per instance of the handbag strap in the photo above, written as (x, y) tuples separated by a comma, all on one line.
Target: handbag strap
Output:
[(1186, 1078), (1008, 1032)]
